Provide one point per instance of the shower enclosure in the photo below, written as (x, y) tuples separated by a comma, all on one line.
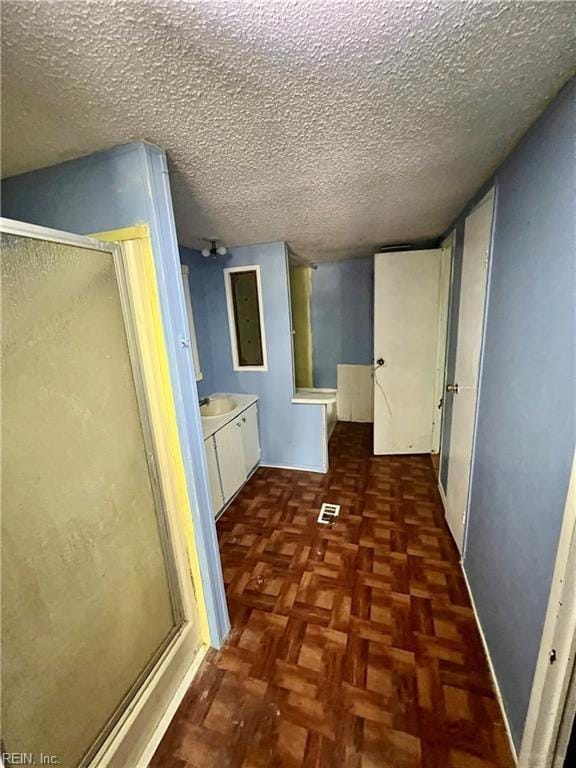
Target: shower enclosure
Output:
[(98, 610)]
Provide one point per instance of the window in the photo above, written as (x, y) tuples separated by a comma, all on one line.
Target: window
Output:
[(246, 318)]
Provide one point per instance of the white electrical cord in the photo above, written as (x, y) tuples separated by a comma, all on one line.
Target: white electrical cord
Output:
[(379, 385)]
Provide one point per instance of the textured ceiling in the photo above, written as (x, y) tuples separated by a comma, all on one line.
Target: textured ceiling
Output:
[(336, 125)]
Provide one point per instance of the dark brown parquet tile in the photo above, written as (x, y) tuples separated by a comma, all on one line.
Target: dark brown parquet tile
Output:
[(351, 645)]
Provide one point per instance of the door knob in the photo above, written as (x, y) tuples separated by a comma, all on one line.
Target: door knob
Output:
[(452, 388)]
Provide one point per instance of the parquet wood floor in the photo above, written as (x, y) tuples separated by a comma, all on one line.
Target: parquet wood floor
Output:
[(351, 645)]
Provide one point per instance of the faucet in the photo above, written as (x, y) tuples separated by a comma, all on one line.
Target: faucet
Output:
[(204, 401)]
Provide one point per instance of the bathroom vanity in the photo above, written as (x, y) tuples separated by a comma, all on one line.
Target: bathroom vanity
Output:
[(232, 444)]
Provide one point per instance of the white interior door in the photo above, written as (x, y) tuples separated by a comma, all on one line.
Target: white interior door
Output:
[(464, 388), (406, 298)]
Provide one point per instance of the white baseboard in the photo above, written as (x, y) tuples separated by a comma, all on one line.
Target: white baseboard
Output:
[(443, 498), (295, 469), (166, 718), (484, 644), (491, 667)]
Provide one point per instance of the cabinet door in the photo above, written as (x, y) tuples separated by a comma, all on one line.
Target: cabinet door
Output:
[(213, 475), (250, 439), (230, 458)]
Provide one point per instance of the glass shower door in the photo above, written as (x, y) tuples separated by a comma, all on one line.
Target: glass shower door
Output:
[(90, 600)]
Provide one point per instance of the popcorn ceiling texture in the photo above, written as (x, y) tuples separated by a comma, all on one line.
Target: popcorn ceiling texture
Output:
[(336, 125)]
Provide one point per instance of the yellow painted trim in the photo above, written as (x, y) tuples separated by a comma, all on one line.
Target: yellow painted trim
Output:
[(142, 281), (300, 297), (128, 233)]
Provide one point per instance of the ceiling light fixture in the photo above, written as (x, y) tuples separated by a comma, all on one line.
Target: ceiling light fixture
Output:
[(215, 250)]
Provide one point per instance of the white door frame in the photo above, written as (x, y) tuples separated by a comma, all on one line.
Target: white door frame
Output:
[(139, 731), (552, 704), (445, 283), (459, 535)]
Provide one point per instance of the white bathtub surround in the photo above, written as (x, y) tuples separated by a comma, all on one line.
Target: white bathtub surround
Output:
[(327, 398), (314, 395), (355, 399)]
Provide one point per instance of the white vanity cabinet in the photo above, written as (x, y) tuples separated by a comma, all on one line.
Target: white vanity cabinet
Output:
[(232, 452), (230, 458), (213, 474), (250, 438)]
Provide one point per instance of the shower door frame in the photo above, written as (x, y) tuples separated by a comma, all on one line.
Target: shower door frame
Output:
[(128, 733)]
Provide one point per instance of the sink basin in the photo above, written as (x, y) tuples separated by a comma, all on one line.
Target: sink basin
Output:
[(218, 406)]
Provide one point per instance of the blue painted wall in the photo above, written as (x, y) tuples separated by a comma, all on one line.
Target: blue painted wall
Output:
[(342, 317), (118, 188), (291, 434), (526, 409)]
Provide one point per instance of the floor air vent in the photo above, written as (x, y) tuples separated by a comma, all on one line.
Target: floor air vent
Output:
[(328, 513)]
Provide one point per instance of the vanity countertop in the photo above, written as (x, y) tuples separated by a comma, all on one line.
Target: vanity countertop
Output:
[(212, 424)]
